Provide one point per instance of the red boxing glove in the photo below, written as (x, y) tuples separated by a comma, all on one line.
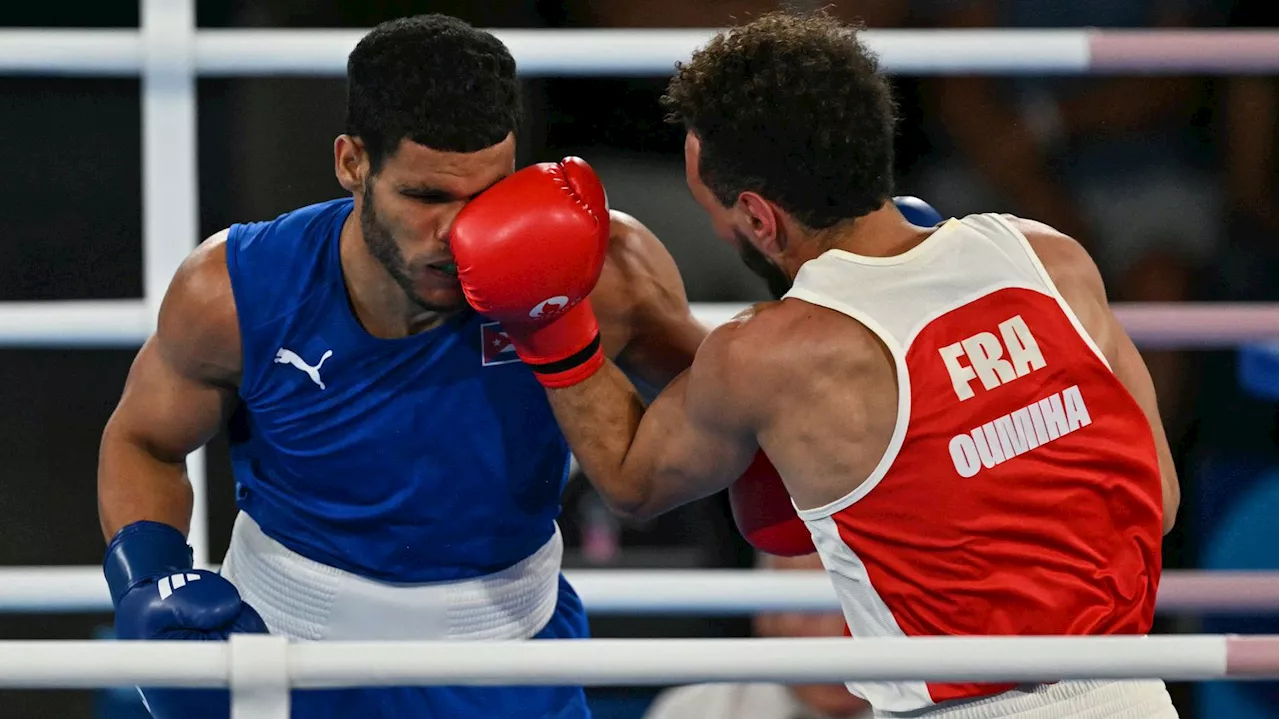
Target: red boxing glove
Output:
[(529, 250), (763, 511)]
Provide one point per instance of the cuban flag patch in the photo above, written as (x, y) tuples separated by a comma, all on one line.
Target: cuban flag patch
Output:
[(495, 346)]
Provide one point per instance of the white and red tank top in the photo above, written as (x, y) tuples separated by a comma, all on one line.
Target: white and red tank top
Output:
[(1020, 493)]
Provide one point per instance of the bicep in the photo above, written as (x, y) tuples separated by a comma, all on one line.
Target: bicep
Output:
[(181, 386), (167, 410), (691, 443), (1131, 370)]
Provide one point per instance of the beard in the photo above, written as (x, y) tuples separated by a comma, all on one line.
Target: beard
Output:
[(382, 245), (774, 278)]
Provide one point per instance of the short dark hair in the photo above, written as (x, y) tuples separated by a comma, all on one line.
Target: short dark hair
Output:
[(792, 107), (435, 80)]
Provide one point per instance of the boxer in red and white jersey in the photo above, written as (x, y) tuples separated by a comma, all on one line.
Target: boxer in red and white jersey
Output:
[(971, 438)]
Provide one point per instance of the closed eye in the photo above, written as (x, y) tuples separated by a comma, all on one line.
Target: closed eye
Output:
[(428, 195)]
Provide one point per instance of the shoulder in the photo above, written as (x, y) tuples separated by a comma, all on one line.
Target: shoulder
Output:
[(276, 264), (637, 264), (628, 237), (747, 352), (1076, 277), (640, 285), (646, 323), (202, 285), (1063, 257), (286, 239), (1042, 235), (772, 337), (198, 328), (767, 344)]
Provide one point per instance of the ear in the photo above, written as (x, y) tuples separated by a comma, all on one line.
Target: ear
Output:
[(350, 163), (764, 223)]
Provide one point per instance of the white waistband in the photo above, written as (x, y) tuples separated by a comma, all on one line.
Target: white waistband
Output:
[(1061, 700), (304, 599)]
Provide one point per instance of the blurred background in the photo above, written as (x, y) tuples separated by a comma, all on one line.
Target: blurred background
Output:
[(1170, 182)]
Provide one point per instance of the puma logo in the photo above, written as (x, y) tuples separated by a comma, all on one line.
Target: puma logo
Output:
[(289, 357)]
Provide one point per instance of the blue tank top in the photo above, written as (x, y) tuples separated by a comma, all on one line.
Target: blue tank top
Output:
[(432, 457)]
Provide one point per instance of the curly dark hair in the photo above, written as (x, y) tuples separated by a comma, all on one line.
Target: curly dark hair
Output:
[(435, 80), (792, 107)]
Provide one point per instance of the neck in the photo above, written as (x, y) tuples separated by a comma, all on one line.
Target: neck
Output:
[(381, 306), (881, 233)]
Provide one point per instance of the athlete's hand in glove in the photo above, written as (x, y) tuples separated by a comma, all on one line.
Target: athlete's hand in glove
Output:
[(157, 595), (764, 514), (917, 211), (529, 250)]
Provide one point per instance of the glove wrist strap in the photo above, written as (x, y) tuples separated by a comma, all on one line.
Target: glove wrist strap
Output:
[(142, 550), (572, 369)]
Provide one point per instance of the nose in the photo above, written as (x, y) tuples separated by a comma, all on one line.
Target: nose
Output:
[(452, 211)]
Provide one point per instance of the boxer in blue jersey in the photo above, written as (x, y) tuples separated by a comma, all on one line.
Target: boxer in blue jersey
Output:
[(398, 468)]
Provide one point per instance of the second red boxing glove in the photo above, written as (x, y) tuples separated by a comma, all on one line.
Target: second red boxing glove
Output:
[(529, 250), (764, 514)]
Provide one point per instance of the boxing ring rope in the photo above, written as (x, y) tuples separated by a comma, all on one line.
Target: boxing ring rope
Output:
[(614, 52), (260, 669), (127, 323), (683, 592), (631, 662)]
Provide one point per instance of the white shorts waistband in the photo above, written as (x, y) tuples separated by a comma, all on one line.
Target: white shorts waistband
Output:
[(1093, 699), (304, 599)]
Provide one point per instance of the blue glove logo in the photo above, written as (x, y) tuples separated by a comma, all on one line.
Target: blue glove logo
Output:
[(172, 583)]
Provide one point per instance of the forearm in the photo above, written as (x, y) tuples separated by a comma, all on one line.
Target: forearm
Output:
[(600, 418), (135, 484)]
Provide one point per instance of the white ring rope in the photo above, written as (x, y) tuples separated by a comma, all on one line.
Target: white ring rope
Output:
[(613, 52), (718, 592), (126, 323), (637, 662)]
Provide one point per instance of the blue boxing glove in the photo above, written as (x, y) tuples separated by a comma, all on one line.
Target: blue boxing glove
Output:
[(917, 211), (1258, 370), (158, 595)]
